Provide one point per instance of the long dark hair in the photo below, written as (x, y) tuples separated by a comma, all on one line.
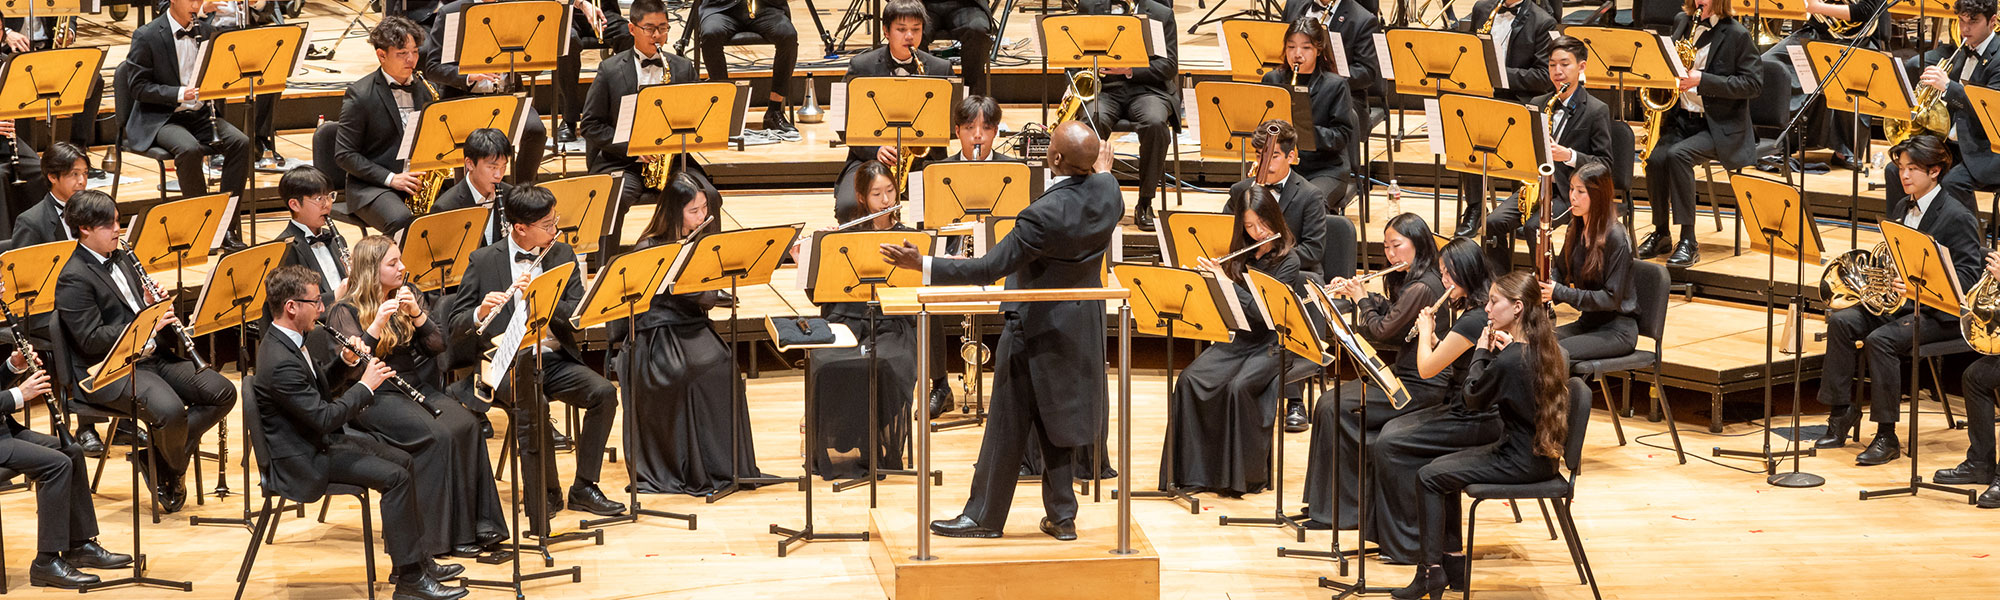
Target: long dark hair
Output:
[(864, 181), (1424, 250), (1314, 31), (1262, 201), (665, 228), (1593, 232), (1549, 372), (1465, 261)]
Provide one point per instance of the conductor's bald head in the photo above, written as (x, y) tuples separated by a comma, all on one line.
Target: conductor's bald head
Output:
[(1073, 149)]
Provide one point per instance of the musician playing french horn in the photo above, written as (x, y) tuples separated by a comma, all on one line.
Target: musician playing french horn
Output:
[(1710, 121), (1945, 71), (1982, 380), (1930, 208), (1579, 126)]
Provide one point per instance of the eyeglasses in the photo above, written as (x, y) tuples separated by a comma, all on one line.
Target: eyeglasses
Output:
[(552, 225), (322, 199), (308, 300), (656, 30)]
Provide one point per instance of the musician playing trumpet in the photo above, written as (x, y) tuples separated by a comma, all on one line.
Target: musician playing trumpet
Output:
[(1977, 63), (1920, 162), (1981, 381)]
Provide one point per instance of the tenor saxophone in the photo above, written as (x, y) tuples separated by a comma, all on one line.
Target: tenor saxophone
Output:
[(433, 180)]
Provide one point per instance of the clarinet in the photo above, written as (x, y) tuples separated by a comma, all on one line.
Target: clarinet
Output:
[(397, 380), (35, 365), (156, 294)]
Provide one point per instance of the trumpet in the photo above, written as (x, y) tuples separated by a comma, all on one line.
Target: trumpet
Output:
[(514, 291), (397, 380), (155, 293)]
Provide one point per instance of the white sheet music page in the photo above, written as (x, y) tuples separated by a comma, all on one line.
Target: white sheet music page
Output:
[(1339, 55), (626, 106), (450, 42), (1387, 67)]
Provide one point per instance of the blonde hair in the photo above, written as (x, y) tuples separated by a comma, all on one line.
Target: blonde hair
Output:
[(365, 293)]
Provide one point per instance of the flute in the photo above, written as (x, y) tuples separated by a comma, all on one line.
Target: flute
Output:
[(394, 379), (512, 290), (1246, 249), (869, 217), (1371, 276)]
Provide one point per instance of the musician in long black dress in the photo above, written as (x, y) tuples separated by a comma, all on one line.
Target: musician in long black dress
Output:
[(1225, 402), (1385, 321), (1519, 368), (1309, 64), (1304, 207), (677, 435), (840, 377), (386, 315), (1411, 441), (1594, 273)]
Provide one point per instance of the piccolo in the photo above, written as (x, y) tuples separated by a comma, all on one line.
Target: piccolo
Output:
[(394, 379), (1246, 250), (511, 290)]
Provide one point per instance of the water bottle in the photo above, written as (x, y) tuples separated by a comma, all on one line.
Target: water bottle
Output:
[(1395, 198)]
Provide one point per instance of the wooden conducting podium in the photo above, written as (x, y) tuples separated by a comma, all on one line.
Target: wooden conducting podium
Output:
[(1110, 558)]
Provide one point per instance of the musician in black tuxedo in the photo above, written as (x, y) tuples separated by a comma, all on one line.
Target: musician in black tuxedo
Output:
[(1982, 383), (486, 153), (83, 125), (309, 238), (1978, 65), (1049, 365), (1356, 24), (65, 520), (903, 25), (422, 12), (1711, 122), (975, 121), (486, 295), (642, 65), (304, 424), (450, 84), (1309, 63), (374, 113), (1149, 98), (1520, 33), (168, 111), (1920, 161), (67, 167), (971, 23), (723, 19), (1822, 128), (1304, 206), (1581, 126), (99, 293), (594, 25)]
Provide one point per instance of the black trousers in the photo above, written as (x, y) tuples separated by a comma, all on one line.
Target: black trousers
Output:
[(367, 462), (1599, 335), (1980, 382), (1011, 424), (18, 198), (1152, 115), (965, 21), (569, 67), (577, 385), (384, 209), (1684, 143), (1338, 190), (63, 513), (1886, 340), (773, 21), (191, 136), (178, 403)]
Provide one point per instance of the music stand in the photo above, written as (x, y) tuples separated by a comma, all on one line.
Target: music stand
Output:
[(1279, 308), (122, 362), (437, 141), (46, 84), (681, 118), (843, 337), (1627, 59), (1925, 266), (1429, 63), (1872, 83), (436, 246), (1491, 138), (1093, 42), (539, 304), (581, 208), (1254, 47), (1230, 112), (1207, 306), (233, 296), (1924, 11), (508, 37), (1777, 219), (1186, 237), (909, 112), (728, 260), (624, 288), (1984, 101), (30, 275), (958, 192), (244, 63), (177, 235)]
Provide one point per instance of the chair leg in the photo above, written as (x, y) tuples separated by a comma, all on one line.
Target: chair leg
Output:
[(1617, 424), (1551, 523), (1471, 526), (256, 537), (368, 543), (1516, 507), (506, 448), (323, 504), (1569, 521), (1937, 390), (1575, 560), (271, 533), (1660, 400)]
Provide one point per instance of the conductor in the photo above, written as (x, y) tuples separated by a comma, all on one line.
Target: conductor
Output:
[(1050, 368)]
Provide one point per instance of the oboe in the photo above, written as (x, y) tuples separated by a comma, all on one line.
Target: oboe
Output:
[(155, 293), (513, 291), (1435, 306), (394, 379)]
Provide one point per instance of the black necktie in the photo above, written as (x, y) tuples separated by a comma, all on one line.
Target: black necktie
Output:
[(524, 257), (654, 62)]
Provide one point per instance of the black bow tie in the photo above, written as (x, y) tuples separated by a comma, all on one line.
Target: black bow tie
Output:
[(188, 33), (324, 239), (524, 257), (654, 62), (1508, 10), (407, 88)]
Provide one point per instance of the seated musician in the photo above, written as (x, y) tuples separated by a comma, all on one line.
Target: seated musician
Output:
[(1978, 64), (1822, 128), (82, 126), (1594, 272), (1356, 25), (99, 293), (1981, 381), (1580, 127), (1520, 32), (66, 166), (1386, 322), (1711, 122), (311, 239), (169, 112), (487, 305), (903, 24), (1302, 204), (594, 25), (721, 20), (66, 523), (486, 153), (975, 121), (622, 75), (451, 84), (1148, 98), (229, 15), (304, 421), (970, 22), (374, 113), (1920, 161), (1309, 64)]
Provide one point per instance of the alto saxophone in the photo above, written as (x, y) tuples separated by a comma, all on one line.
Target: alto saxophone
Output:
[(1656, 108), (906, 157), (658, 167), (433, 180)]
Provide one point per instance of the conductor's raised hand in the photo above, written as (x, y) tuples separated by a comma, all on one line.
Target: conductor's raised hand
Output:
[(904, 255)]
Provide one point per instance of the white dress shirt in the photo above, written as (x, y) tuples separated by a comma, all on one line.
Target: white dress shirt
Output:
[(649, 75), (188, 53), (1503, 34), (1915, 215), (1691, 99), (117, 279), (406, 104), (322, 256)]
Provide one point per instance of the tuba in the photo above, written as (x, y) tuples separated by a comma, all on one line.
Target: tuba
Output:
[(1657, 107), (1862, 277)]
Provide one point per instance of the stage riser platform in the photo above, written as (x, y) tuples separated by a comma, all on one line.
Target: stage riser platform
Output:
[(1025, 565)]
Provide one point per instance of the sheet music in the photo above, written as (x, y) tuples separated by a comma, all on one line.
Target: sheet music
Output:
[(1802, 65), (409, 138), (1221, 39), (1339, 55), (1383, 62), (507, 346), (1226, 305), (743, 108), (836, 111), (215, 243), (1189, 101), (805, 264), (451, 37), (1157, 36), (1166, 249), (299, 55), (626, 106), (1434, 126), (914, 196), (1674, 60), (521, 114), (1263, 305)]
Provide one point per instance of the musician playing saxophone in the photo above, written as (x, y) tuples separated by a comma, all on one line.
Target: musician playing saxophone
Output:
[(1711, 122), (1978, 64), (1520, 37), (373, 115), (1981, 381), (1920, 162), (902, 28), (620, 76), (1579, 128)]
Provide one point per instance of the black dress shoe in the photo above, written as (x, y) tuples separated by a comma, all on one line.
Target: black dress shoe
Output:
[(1295, 417), (1685, 255), (90, 442), (442, 571), (1990, 499), (1837, 425), (1885, 448), (89, 555), (1429, 581), (560, 439), (565, 135), (414, 585), (54, 572), (1143, 219), (485, 429), (1964, 474), (963, 527), (129, 434), (1064, 530), (1654, 244), (1454, 571), (1027, 471), (588, 499), (486, 540), (466, 551), (775, 120), (173, 495), (941, 400)]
